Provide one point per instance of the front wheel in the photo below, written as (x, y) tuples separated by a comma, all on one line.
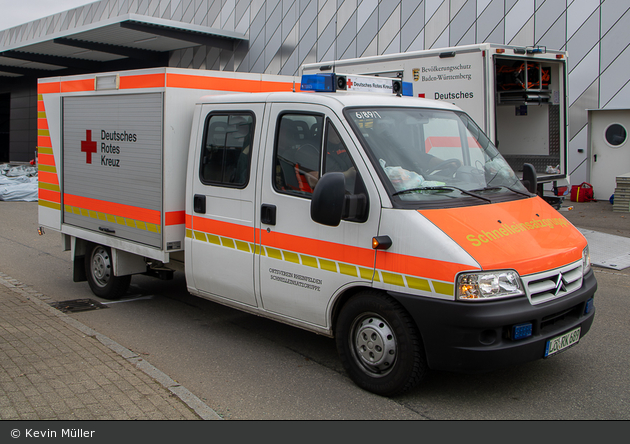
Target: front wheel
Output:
[(100, 274), (379, 344)]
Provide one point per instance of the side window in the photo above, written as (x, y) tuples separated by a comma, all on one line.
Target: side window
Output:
[(300, 160), (226, 154), (338, 159), (298, 153)]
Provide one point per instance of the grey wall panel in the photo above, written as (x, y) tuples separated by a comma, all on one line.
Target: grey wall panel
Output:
[(621, 99), (487, 23), (578, 116), (385, 11), (411, 28), (432, 6), (547, 15), (389, 32), (469, 37), (582, 75), (367, 33), (308, 44), (578, 12), (615, 41), (611, 11), (410, 7), (346, 10), (325, 42), (518, 16), (584, 39), (556, 36), (365, 10), (347, 38), (457, 5), (289, 20), (614, 78), (436, 26), (462, 22)]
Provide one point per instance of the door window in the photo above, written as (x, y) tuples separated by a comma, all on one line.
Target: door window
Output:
[(297, 154), (226, 154)]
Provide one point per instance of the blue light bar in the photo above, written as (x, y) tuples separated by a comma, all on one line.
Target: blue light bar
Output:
[(521, 331), (407, 89), (318, 82)]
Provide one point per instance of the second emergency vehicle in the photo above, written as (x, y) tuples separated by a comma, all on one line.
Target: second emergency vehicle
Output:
[(390, 223)]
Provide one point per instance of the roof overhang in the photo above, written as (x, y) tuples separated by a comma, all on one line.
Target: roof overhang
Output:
[(138, 38)]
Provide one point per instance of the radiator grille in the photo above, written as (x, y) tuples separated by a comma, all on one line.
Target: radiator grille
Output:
[(553, 284)]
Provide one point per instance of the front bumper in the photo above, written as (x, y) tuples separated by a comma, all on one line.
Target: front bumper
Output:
[(476, 337)]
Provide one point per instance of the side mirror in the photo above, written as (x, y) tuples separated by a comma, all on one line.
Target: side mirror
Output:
[(328, 198), (530, 180)]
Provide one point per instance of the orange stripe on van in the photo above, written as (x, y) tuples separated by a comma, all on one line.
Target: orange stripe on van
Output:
[(49, 88), (418, 266), (225, 84), (44, 141), (128, 211), (175, 218), (52, 196), (46, 159), (339, 252), (77, 85), (226, 229), (42, 124), (48, 177), (142, 81)]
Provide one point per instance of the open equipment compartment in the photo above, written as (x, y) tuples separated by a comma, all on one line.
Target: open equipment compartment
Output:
[(530, 114)]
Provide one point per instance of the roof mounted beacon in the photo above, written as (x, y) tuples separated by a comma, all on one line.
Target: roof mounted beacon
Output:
[(331, 82)]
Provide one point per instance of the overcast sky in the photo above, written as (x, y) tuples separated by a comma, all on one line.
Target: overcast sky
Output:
[(17, 12)]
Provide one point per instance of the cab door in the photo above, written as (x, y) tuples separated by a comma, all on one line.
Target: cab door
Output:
[(303, 264), (222, 239)]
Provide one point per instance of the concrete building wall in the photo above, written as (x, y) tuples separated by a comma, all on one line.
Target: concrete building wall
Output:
[(284, 34)]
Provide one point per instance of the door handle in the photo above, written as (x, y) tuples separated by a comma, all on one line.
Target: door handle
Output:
[(199, 203), (268, 214)]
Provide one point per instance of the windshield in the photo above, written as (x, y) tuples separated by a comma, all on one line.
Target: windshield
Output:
[(426, 155)]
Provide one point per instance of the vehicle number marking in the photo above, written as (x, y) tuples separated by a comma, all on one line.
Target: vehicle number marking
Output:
[(368, 115)]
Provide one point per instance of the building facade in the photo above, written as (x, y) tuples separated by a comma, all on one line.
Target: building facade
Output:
[(278, 36)]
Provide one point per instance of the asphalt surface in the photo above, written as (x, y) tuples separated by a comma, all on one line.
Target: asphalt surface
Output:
[(53, 367)]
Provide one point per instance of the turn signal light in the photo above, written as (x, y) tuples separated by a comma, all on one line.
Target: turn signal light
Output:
[(381, 242)]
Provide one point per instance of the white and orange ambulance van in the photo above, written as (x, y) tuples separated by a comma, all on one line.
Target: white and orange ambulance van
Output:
[(390, 223)]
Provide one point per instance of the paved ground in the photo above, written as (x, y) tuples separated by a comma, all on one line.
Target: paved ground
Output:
[(52, 367), (597, 216), (55, 368)]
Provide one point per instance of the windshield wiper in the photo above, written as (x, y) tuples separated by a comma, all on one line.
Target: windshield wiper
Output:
[(501, 187), (442, 187)]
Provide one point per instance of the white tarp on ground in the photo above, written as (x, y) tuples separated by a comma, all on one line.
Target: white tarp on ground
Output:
[(18, 183)]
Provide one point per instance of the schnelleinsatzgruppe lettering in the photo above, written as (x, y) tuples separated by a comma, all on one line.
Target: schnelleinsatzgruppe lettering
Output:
[(510, 229)]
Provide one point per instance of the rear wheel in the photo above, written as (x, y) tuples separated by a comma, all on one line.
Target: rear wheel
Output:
[(100, 274), (379, 344)]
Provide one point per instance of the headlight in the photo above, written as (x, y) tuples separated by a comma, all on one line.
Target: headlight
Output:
[(586, 260), (485, 286)]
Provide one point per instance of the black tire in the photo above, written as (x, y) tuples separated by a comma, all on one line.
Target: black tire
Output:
[(379, 345), (100, 273)]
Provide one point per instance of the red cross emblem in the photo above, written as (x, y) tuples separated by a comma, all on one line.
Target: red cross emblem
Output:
[(88, 146), (349, 83)]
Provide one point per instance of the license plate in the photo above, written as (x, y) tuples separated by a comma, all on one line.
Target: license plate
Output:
[(562, 342)]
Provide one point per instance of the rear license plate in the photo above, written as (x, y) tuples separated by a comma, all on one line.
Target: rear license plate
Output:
[(562, 342)]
